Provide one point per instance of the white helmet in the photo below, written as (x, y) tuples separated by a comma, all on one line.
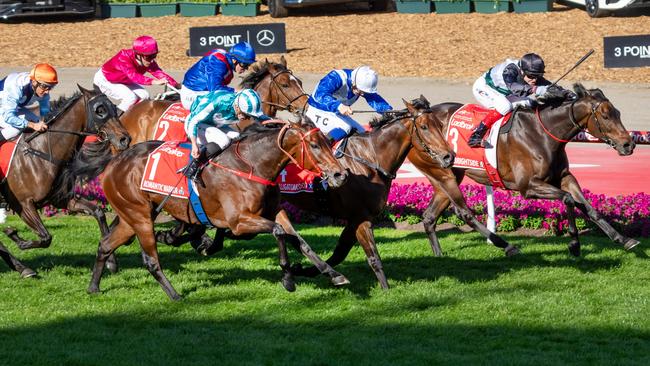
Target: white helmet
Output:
[(365, 79), (248, 101)]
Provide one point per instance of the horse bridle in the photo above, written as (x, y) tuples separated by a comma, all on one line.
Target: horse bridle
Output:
[(95, 118), (432, 154), (303, 148), (594, 109), (289, 107)]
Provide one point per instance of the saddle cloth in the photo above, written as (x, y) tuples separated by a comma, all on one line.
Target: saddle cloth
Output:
[(7, 152), (459, 129), (171, 124), (160, 174)]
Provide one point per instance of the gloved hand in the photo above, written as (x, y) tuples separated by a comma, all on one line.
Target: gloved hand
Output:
[(524, 103), (540, 90)]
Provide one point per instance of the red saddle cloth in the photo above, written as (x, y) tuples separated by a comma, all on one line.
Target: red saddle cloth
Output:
[(7, 152), (295, 180), (160, 172), (460, 128), (171, 124)]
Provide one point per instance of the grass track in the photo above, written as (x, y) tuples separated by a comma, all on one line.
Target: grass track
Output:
[(473, 306)]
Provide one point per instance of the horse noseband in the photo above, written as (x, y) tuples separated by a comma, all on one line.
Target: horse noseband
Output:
[(99, 110)]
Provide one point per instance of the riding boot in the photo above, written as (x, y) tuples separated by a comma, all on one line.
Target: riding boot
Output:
[(476, 139), (340, 150), (193, 169)]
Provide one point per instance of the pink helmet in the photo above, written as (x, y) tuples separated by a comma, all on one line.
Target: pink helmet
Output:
[(145, 45)]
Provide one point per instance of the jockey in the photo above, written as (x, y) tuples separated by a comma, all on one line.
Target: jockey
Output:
[(19, 90), (508, 84), (214, 71), (210, 120), (123, 75), (329, 105)]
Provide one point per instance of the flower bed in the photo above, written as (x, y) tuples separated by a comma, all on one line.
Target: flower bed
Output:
[(406, 203)]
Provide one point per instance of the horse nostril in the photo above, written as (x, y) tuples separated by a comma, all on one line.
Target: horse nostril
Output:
[(125, 141), (448, 160)]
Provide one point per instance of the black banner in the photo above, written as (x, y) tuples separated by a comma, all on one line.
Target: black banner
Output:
[(265, 38), (627, 51)]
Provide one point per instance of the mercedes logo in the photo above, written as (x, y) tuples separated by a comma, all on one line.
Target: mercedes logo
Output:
[(265, 37)]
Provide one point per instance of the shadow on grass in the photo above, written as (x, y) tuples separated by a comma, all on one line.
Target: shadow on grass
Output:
[(149, 338)]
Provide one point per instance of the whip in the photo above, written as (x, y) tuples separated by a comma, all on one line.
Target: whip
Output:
[(574, 66)]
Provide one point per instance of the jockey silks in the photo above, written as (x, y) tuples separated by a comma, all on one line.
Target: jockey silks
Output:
[(17, 93), (336, 88), (212, 72)]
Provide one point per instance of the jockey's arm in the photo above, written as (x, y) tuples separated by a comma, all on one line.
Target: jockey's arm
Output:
[(9, 110), (158, 73), (324, 94), (514, 82), (215, 71), (137, 78), (376, 102)]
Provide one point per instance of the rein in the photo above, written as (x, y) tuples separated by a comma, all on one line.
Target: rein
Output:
[(289, 107), (574, 122)]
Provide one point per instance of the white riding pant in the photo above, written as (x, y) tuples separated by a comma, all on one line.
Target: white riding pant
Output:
[(490, 98), (127, 94), (188, 96), (219, 135), (8, 131), (334, 125)]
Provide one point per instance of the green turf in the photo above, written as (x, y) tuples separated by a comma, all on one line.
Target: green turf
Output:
[(472, 306)]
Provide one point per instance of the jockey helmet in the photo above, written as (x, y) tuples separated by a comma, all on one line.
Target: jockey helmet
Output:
[(243, 52), (249, 103), (145, 45), (365, 79), (44, 74), (532, 64)]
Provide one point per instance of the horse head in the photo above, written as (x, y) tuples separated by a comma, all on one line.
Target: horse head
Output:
[(426, 135), (309, 149), (278, 87), (101, 119), (603, 120)]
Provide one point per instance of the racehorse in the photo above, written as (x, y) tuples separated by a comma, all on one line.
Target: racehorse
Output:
[(373, 160), (277, 86), (532, 160), (238, 183), (37, 170)]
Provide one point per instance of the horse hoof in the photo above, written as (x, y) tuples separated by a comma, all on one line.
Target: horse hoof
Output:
[(631, 243), (340, 280), (511, 251), (175, 297), (92, 289), (27, 273), (574, 249), (112, 267), (288, 283)]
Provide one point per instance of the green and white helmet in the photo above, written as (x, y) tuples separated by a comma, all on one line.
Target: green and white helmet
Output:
[(248, 102)]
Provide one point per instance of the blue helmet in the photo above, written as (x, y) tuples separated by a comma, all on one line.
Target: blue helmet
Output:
[(243, 52)]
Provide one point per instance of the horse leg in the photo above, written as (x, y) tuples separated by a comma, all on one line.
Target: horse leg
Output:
[(540, 189), (120, 233), (341, 251), (570, 184), (366, 238), (144, 232), (301, 245), (256, 224), (15, 264), (82, 205), (30, 216)]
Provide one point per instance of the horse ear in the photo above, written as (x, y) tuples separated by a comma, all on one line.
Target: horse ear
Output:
[(580, 90), (283, 61), (83, 90), (423, 99), (409, 106)]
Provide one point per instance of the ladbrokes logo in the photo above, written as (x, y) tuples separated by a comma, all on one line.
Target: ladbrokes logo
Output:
[(461, 124), (172, 151)]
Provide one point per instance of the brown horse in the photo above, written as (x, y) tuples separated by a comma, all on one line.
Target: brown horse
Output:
[(37, 170), (243, 205), (373, 160), (532, 160), (277, 86)]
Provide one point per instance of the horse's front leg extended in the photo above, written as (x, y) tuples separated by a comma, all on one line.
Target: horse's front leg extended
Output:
[(301, 245), (256, 224), (366, 239), (570, 184), (30, 216), (540, 189), (15, 264)]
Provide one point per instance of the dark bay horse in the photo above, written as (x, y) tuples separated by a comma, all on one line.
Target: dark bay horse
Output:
[(37, 169), (242, 205), (373, 159), (277, 86), (532, 160)]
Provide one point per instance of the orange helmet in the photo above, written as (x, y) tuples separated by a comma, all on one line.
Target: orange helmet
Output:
[(44, 73)]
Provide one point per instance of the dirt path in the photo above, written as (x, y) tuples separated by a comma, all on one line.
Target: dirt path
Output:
[(448, 46)]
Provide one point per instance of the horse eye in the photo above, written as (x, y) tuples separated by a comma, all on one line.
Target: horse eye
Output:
[(314, 145), (423, 127), (285, 85)]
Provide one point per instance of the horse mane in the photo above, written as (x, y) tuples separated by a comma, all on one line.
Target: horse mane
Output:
[(60, 105), (258, 72), (386, 118), (255, 129)]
